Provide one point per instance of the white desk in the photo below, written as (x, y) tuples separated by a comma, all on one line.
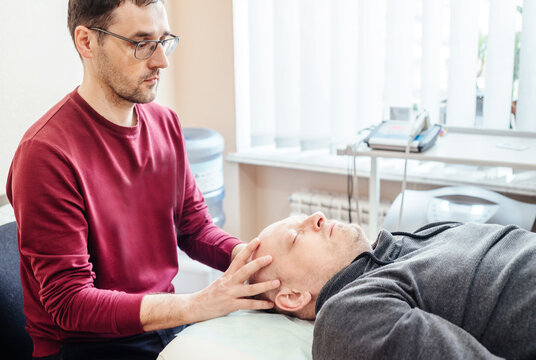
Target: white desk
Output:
[(453, 147)]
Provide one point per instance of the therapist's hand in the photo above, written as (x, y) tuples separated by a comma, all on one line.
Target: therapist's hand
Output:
[(230, 292), (237, 249)]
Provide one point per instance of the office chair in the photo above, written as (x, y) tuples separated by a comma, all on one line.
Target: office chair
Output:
[(15, 341)]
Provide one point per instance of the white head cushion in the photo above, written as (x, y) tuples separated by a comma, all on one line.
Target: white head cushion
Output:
[(244, 335)]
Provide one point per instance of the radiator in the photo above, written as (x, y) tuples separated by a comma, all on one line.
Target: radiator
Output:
[(334, 206)]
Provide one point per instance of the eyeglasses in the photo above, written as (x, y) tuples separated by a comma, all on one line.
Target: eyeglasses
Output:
[(146, 48)]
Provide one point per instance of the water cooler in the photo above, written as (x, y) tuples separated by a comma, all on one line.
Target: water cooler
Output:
[(204, 148)]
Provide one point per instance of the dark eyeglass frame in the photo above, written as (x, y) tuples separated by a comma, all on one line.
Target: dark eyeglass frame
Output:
[(174, 39)]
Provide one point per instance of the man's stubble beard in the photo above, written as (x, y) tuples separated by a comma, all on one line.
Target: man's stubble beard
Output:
[(120, 86)]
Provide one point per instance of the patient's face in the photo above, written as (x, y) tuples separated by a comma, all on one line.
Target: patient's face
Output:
[(308, 250)]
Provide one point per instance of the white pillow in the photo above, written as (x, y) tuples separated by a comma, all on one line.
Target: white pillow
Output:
[(243, 335)]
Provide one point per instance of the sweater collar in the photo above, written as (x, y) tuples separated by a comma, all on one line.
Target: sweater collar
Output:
[(128, 131), (364, 262)]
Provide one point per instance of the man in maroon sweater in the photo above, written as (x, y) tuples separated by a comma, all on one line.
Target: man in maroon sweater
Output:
[(102, 193)]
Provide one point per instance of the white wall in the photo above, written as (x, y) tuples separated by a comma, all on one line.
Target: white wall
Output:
[(39, 66)]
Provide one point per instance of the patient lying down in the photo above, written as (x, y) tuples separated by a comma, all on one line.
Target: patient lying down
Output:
[(449, 290)]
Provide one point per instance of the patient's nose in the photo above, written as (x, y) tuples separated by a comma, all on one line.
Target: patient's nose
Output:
[(316, 220)]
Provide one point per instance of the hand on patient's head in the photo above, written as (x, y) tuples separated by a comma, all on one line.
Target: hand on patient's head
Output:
[(230, 292), (306, 252)]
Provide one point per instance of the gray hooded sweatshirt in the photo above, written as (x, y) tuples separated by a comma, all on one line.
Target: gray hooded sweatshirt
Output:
[(448, 291)]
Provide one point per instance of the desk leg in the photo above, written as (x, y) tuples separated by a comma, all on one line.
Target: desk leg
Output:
[(374, 198)]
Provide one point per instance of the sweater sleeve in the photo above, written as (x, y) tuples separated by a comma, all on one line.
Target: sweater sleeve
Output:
[(53, 235), (198, 236), (376, 320)]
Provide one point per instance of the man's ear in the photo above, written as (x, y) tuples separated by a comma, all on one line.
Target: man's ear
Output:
[(84, 41), (291, 299)]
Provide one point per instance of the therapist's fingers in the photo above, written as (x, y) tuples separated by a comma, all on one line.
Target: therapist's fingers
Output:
[(246, 271), (259, 288), (230, 292), (242, 257), (227, 294), (249, 304)]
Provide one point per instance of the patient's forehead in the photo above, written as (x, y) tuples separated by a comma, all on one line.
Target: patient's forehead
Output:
[(280, 226), (271, 235)]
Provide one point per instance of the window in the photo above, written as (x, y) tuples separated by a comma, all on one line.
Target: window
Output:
[(309, 73)]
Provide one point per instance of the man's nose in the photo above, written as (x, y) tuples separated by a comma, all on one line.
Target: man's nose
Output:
[(316, 220), (159, 59)]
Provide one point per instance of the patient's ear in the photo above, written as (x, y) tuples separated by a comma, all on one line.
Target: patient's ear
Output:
[(292, 299)]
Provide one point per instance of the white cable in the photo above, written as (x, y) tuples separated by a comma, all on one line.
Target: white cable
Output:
[(420, 123), (349, 189), (356, 191), (404, 180)]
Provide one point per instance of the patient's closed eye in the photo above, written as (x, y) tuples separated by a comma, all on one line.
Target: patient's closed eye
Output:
[(293, 238), (297, 237)]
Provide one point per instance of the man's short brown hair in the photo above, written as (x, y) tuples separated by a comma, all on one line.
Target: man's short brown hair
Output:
[(96, 13)]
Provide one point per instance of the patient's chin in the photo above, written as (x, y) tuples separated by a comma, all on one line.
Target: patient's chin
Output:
[(359, 233)]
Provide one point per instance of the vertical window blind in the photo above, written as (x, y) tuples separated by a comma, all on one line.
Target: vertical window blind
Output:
[(310, 73)]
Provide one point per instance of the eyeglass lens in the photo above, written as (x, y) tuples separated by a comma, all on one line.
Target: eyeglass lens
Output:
[(146, 48)]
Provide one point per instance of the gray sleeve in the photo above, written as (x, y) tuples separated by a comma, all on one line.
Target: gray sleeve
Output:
[(379, 321)]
